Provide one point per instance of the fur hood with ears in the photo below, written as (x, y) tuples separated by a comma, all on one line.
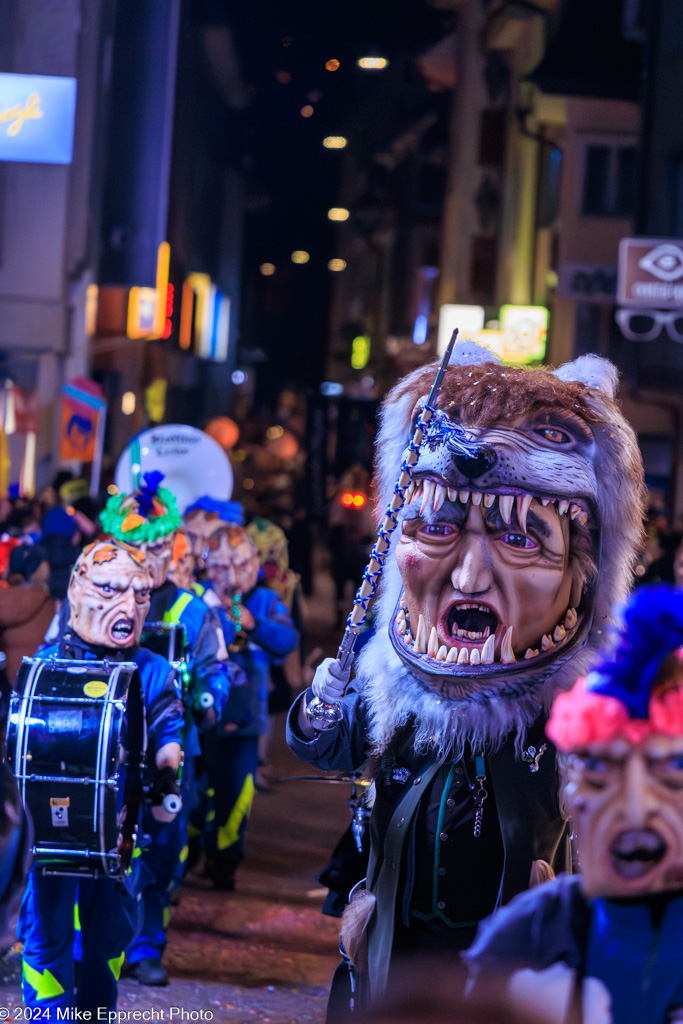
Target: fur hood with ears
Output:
[(586, 386)]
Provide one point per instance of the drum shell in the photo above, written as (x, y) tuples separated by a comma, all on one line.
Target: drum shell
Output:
[(165, 638), (69, 727)]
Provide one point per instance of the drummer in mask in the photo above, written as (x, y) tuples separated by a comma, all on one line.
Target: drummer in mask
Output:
[(149, 519), (109, 595)]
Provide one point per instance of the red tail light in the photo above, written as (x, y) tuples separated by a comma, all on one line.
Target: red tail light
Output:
[(353, 500)]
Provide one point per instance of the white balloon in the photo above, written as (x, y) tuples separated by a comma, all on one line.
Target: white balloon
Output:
[(193, 463)]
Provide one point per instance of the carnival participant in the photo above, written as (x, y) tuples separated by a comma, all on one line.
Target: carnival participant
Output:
[(149, 519), (605, 944), (109, 596), (258, 629), (203, 517), (518, 533), (286, 678)]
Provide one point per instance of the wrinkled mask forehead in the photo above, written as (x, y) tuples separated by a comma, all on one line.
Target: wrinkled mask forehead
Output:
[(200, 523), (109, 594), (233, 559), (626, 804), (499, 541)]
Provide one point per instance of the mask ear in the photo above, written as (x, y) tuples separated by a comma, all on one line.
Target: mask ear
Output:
[(471, 353), (594, 371)]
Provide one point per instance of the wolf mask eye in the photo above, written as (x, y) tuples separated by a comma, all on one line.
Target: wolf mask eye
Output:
[(554, 435)]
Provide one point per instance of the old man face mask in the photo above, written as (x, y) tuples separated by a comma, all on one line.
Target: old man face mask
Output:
[(518, 532), (159, 555), (232, 563), (622, 731), (109, 593), (147, 518)]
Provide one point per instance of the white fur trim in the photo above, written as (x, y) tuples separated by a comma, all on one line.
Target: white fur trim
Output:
[(594, 371), (471, 353)]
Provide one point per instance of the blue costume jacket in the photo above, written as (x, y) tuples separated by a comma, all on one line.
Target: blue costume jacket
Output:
[(170, 603), (273, 637), (629, 949)]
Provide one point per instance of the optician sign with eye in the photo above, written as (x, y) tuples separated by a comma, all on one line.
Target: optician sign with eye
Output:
[(650, 273)]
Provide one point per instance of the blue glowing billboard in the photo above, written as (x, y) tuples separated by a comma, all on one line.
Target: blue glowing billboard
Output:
[(37, 118)]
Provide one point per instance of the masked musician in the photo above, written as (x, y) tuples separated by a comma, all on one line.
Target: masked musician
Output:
[(202, 518), (109, 595), (605, 946), (258, 629), (519, 531), (149, 520)]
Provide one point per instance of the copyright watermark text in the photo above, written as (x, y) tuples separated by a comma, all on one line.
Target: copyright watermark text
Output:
[(102, 1014)]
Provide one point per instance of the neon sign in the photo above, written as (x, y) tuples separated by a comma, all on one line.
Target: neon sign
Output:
[(37, 114)]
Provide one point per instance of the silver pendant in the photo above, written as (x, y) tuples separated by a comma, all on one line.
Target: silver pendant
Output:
[(531, 756)]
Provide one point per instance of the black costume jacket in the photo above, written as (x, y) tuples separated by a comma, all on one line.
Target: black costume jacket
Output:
[(432, 878)]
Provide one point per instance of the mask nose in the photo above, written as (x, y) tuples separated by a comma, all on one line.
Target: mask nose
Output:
[(479, 461), (128, 604)]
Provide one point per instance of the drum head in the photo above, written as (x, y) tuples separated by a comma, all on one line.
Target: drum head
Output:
[(193, 463)]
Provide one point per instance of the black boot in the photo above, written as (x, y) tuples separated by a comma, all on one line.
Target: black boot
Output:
[(222, 875), (149, 972)]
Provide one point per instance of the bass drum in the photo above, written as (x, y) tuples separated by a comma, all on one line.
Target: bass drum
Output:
[(76, 743)]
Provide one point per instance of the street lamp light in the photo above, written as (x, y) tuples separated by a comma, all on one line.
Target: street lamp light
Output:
[(372, 63)]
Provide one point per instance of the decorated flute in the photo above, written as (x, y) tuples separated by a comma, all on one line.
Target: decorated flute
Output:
[(331, 713)]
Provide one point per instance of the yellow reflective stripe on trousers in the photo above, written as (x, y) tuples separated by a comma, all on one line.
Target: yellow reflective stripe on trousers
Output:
[(115, 964), (172, 615), (44, 983), (229, 833)]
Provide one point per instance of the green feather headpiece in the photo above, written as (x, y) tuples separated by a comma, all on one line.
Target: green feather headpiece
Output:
[(146, 515)]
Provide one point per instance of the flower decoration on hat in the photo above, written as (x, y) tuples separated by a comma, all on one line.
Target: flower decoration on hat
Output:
[(146, 515), (636, 690)]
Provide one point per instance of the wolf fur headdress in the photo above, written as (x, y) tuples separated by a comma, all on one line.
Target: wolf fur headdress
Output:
[(517, 459)]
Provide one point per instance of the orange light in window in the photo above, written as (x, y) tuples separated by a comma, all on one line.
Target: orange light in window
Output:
[(347, 499), (359, 500)]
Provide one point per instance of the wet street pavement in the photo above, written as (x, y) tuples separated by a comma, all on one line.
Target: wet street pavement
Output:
[(264, 953)]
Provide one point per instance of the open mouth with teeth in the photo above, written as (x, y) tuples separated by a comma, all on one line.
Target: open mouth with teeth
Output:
[(122, 630), (472, 633), (472, 622), (636, 852), (432, 494)]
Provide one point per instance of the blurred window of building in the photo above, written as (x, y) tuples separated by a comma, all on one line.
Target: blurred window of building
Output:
[(675, 193), (549, 185), (483, 254), (586, 329), (609, 183)]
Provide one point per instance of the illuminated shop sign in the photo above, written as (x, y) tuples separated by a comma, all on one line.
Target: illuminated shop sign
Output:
[(204, 318), (148, 307), (521, 336), (37, 118)]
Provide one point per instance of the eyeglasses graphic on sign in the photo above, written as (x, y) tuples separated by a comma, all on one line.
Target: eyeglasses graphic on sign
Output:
[(37, 115), (648, 324)]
